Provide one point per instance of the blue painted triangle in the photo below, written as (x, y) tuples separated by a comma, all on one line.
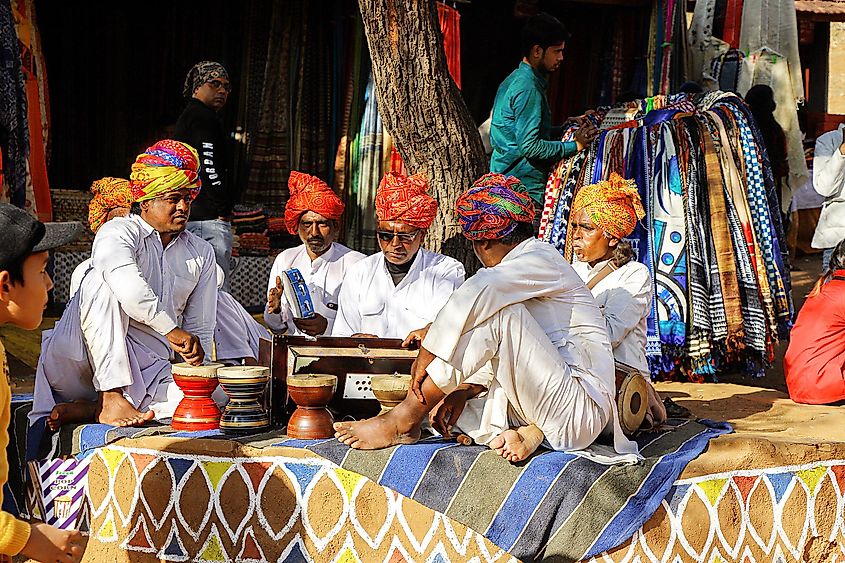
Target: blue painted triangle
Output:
[(304, 473), (438, 558), (780, 481), (295, 555), (174, 549), (180, 466), (676, 495)]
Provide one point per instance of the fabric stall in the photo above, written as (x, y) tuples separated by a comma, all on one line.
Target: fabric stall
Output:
[(712, 236), (24, 111), (755, 43)]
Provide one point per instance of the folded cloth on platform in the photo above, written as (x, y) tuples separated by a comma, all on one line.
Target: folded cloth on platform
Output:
[(555, 505)]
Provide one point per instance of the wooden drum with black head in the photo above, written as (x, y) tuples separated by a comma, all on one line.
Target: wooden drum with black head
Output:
[(631, 397)]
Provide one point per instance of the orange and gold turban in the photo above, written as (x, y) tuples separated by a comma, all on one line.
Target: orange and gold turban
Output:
[(165, 167), (614, 205), (309, 193), (109, 193), (406, 199)]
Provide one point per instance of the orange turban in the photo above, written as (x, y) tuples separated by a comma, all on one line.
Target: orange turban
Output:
[(309, 193), (109, 193), (614, 205), (406, 199)]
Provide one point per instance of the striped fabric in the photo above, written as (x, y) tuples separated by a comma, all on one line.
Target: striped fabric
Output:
[(556, 505)]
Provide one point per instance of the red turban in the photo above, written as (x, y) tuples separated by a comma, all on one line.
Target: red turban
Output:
[(406, 199), (309, 193)]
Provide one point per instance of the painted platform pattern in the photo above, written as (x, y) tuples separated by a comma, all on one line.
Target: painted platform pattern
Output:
[(778, 515), (177, 507)]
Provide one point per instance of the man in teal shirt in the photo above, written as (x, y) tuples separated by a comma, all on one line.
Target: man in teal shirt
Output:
[(521, 132)]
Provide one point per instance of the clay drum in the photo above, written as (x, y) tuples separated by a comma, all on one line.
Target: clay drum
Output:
[(390, 390), (244, 386), (196, 410), (311, 392)]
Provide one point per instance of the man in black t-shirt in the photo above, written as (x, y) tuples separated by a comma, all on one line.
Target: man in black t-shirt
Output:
[(207, 88)]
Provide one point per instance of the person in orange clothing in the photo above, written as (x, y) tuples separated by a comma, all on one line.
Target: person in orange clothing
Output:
[(815, 360), (24, 283)]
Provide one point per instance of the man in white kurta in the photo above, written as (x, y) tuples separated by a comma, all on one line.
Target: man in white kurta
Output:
[(141, 301), (523, 336), (401, 288), (312, 212), (829, 181), (624, 297)]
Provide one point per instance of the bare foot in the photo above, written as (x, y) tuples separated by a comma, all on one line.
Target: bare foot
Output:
[(517, 444), (114, 409), (376, 433), (71, 413)]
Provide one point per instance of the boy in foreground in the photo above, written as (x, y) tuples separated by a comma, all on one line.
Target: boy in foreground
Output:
[(24, 283)]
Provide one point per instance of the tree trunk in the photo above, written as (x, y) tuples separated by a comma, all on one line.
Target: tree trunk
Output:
[(423, 110)]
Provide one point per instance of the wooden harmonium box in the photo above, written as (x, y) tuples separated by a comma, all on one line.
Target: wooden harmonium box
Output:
[(353, 360)]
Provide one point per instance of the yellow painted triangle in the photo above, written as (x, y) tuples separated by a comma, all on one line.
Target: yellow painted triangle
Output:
[(349, 480), (213, 551), (112, 458), (215, 471), (712, 489), (108, 532), (811, 477), (348, 556)]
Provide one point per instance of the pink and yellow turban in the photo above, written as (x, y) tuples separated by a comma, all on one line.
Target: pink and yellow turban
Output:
[(109, 193), (493, 207), (165, 167), (406, 199), (309, 193), (613, 205)]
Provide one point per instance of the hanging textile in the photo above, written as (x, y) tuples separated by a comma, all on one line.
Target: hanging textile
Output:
[(14, 128), (32, 65), (711, 238), (367, 170)]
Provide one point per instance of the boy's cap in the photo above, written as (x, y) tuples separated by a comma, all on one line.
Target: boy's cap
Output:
[(25, 235)]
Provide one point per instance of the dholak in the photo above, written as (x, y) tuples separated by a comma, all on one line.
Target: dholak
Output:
[(311, 393), (631, 397)]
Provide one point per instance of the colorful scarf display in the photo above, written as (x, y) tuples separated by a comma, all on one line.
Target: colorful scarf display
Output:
[(613, 205), (109, 193), (164, 167), (711, 235), (309, 193), (200, 73), (406, 199), (493, 207)]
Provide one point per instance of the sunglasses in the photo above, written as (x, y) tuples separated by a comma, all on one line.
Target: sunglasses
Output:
[(217, 85), (405, 238)]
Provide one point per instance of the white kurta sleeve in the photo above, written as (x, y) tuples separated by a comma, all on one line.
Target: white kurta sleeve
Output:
[(829, 165), (200, 314), (278, 321), (348, 320), (625, 306), (448, 280), (113, 255), (486, 293)]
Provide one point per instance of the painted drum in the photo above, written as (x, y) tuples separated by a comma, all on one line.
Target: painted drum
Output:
[(311, 393), (196, 410), (244, 386), (631, 398)]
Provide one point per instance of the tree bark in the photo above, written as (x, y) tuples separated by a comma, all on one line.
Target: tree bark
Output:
[(423, 110)]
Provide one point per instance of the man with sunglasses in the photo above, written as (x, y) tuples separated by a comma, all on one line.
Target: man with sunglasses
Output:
[(207, 88), (401, 288)]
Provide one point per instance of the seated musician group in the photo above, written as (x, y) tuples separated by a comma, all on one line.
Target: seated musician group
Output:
[(518, 355)]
